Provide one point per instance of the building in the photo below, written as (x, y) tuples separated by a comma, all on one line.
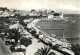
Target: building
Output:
[(34, 13), (50, 14), (61, 16), (44, 14), (13, 19), (4, 14)]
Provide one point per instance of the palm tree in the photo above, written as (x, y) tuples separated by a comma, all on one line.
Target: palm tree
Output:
[(51, 53), (13, 34), (44, 51), (76, 49)]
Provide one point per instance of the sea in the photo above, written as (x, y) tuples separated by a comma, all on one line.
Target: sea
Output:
[(70, 28)]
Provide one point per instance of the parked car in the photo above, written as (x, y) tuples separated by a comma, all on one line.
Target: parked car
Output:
[(9, 43), (12, 48)]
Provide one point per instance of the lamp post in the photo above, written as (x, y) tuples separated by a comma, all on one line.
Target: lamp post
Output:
[(63, 36)]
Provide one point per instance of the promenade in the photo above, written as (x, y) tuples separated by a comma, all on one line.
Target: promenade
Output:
[(31, 49), (57, 41)]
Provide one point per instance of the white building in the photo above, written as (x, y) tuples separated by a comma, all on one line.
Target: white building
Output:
[(50, 16), (4, 14)]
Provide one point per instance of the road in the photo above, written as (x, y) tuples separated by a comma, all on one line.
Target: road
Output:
[(31, 49), (32, 25)]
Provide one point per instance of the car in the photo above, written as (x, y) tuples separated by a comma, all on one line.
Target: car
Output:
[(16, 49), (9, 43), (20, 50), (12, 48)]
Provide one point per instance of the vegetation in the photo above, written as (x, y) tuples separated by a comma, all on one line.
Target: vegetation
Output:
[(76, 49), (25, 41), (14, 34), (22, 23), (44, 51)]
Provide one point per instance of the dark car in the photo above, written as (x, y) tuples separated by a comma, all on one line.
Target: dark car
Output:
[(20, 50), (9, 43), (12, 48)]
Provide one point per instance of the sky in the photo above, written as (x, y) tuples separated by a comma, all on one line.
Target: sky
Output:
[(65, 6)]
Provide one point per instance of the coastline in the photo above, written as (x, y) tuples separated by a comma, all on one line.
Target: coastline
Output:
[(48, 27)]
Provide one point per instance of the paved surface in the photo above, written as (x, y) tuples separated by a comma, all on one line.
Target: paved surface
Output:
[(32, 25), (4, 49)]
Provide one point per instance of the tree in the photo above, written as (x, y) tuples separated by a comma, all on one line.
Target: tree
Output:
[(56, 14), (52, 11), (22, 23), (17, 35), (33, 32), (25, 41), (44, 51), (76, 49), (13, 34), (33, 10)]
